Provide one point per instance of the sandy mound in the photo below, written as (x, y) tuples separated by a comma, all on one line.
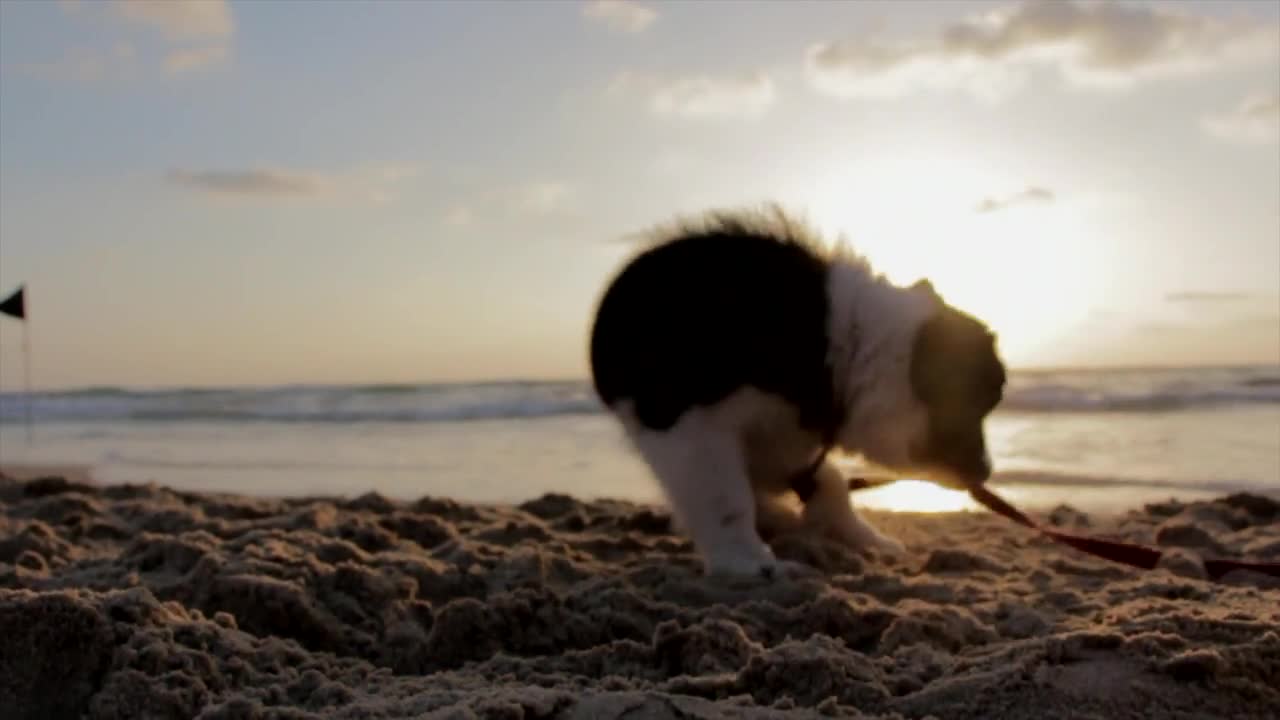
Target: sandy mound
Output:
[(138, 601)]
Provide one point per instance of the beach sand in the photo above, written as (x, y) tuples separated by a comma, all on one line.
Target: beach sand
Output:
[(71, 473), (137, 601)]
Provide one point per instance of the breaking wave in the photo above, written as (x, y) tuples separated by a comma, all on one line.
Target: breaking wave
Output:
[(1031, 392)]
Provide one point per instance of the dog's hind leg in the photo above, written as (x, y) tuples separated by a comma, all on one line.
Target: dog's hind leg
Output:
[(829, 511), (701, 468), (776, 515)]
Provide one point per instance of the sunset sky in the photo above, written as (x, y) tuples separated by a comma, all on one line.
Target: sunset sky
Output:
[(209, 193)]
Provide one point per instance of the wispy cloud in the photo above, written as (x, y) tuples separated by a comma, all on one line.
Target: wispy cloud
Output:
[(1028, 196), (191, 35), (1091, 44), (368, 185), (700, 96), (707, 96), (624, 16), (532, 199), (198, 31), (1254, 120), (263, 183), (179, 20)]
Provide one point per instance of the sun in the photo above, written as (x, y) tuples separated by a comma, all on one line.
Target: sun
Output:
[(1029, 270)]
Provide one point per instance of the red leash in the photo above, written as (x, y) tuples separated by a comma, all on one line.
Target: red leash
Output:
[(1132, 554)]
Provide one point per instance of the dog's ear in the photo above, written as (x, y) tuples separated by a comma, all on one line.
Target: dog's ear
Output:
[(925, 286)]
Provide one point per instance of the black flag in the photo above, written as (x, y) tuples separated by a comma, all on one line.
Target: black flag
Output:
[(16, 304)]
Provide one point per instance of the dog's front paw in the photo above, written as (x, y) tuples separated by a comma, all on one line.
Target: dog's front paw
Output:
[(765, 571), (744, 564)]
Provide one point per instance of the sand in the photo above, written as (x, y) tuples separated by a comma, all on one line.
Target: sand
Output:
[(138, 601), (72, 473)]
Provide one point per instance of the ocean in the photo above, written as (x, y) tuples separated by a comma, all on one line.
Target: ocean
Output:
[(1093, 439)]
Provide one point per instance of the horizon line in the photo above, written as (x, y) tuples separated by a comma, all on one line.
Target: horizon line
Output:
[(528, 380)]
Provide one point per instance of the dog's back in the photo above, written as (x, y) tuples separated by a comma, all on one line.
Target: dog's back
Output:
[(710, 311)]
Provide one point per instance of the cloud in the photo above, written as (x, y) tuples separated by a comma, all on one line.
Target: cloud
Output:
[(862, 68), (1031, 195), (1090, 44), (1254, 120), (1199, 296), (624, 16), (251, 182), (179, 21), (370, 185), (192, 35), (206, 23), (700, 96), (705, 96), (533, 199)]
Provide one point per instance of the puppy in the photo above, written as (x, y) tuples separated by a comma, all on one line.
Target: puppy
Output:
[(736, 352)]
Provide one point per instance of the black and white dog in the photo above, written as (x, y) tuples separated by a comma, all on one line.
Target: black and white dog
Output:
[(736, 352)]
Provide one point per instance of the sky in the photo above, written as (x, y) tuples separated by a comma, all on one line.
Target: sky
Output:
[(225, 193)]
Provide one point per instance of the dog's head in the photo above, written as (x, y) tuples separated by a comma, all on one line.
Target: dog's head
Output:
[(957, 376)]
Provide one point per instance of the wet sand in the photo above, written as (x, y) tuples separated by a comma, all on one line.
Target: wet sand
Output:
[(134, 601)]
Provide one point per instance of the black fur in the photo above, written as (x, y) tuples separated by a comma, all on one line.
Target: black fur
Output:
[(708, 310)]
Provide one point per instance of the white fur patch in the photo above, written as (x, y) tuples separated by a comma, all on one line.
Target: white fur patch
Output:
[(702, 469), (724, 470), (872, 326)]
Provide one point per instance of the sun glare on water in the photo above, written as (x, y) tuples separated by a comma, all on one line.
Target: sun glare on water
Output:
[(914, 496)]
